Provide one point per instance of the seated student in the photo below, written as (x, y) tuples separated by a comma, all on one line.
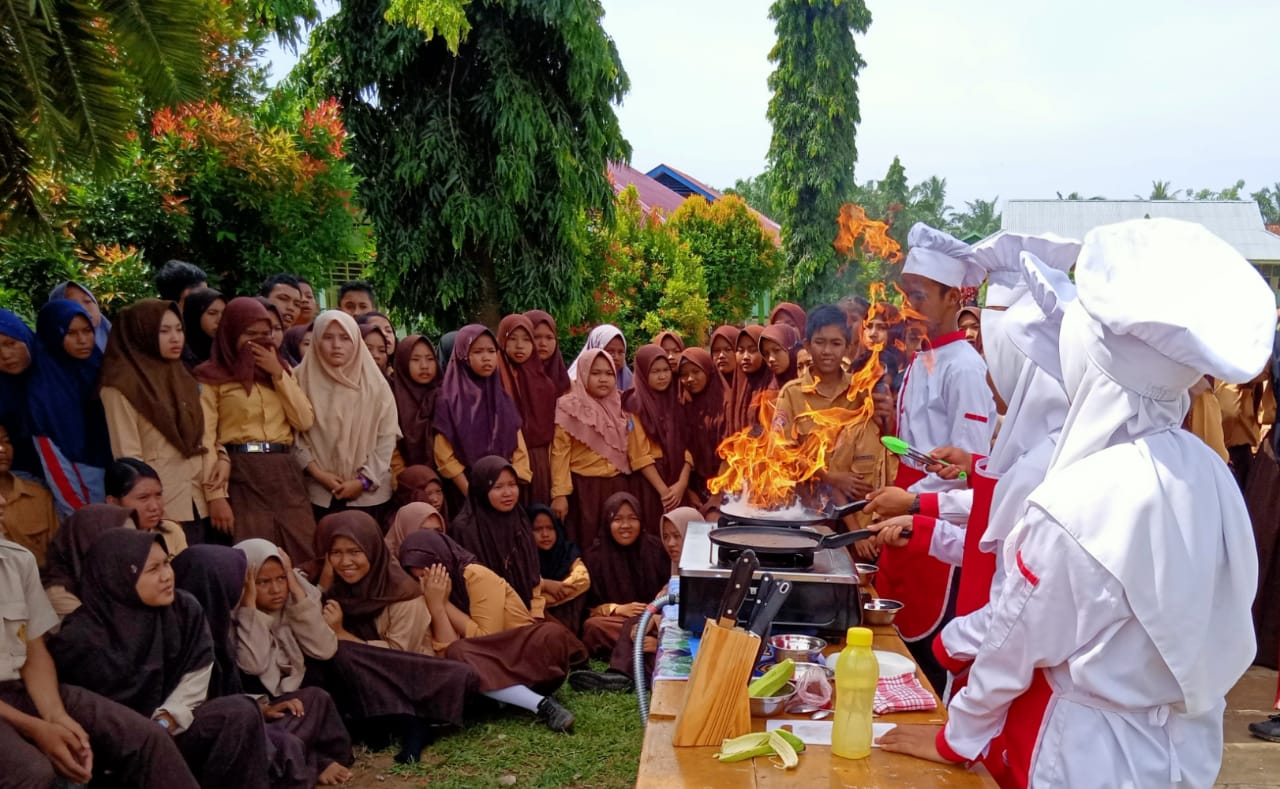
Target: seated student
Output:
[(702, 394), (385, 666), (303, 727), (565, 579), (657, 445), (201, 314), (17, 350), (176, 279), (139, 641), (32, 519), (285, 291), (413, 517), (65, 569), (50, 731), (416, 385), (134, 485), (421, 483), (477, 619), (356, 298)]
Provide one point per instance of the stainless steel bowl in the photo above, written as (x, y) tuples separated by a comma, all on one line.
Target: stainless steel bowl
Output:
[(803, 666), (880, 611), (866, 573), (768, 706), (801, 649)]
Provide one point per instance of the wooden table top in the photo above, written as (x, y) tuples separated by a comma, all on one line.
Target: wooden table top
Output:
[(663, 766)]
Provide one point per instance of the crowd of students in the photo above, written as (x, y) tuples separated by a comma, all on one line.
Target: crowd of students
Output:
[(258, 530)]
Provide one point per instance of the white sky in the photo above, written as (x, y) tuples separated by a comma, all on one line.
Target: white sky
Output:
[(1015, 98)]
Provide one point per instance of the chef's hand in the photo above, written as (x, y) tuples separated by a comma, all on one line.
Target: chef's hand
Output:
[(954, 460), (887, 502), (915, 740), (889, 532)]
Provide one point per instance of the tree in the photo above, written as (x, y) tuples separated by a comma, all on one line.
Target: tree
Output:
[(981, 218), (482, 142), (1161, 190), (814, 112), (757, 191), (739, 259), (1078, 196), (1268, 200)]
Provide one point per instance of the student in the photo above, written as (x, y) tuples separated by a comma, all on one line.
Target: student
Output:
[(546, 344), (413, 517), (297, 341), (672, 344), (475, 417), (383, 324), (589, 459), (302, 726), (608, 338), (657, 446), (67, 421), (84, 297), (421, 483), (494, 527), (477, 619), (277, 326), (153, 408), (702, 394), (65, 567), (17, 350), (724, 352), (385, 667), (307, 305), (140, 642), (201, 314), (969, 321), (855, 309), (176, 280), (884, 329), (1155, 568), (792, 315), (136, 486), (751, 378), (356, 298), (416, 385), (50, 731), (252, 406), (284, 291), (534, 392), (565, 579), (675, 525), (31, 519), (376, 343), (780, 346), (346, 453)]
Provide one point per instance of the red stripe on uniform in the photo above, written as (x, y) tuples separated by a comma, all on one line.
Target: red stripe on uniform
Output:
[(1026, 572), (976, 418), (60, 480)]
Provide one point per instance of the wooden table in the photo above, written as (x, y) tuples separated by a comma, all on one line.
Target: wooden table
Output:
[(663, 766)]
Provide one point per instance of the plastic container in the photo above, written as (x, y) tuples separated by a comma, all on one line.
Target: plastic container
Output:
[(857, 672)]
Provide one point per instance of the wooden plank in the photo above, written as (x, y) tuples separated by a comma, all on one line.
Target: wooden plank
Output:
[(664, 767)]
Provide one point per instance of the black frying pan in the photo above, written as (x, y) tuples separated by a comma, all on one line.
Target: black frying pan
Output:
[(729, 519), (781, 547)]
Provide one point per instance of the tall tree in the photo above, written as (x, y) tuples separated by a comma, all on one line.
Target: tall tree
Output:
[(814, 112), (980, 218), (1161, 190), (481, 149), (1268, 200), (756, 191)]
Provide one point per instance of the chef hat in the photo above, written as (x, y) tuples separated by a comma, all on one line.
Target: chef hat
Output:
[(941, 257), (998, 257), (1034, 322), (1149, 278)]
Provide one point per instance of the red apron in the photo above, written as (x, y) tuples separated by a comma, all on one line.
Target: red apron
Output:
[(914, 578), (977, 568), (1012, 752)]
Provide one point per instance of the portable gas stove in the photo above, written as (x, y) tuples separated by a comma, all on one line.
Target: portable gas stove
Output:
[(824, 599)]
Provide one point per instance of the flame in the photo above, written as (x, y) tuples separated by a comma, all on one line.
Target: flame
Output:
[(853, 223)]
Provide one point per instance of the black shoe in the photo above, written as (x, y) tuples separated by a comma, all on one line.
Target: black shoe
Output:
[(553, 713), (415, 737), (587, 681), (1268, 729)]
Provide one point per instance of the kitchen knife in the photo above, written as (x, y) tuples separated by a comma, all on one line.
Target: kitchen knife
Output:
[(762, 592), (735, 594), (767, 610)]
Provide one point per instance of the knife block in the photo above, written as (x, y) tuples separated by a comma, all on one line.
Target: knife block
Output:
[(716, 706)]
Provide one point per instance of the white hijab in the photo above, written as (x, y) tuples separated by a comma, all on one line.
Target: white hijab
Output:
[(288, 662), (599, 337)]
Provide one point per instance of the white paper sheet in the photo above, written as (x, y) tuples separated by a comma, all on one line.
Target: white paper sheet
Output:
[(819, 732)]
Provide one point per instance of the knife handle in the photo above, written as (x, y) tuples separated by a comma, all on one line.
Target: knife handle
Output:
[(739, 586)]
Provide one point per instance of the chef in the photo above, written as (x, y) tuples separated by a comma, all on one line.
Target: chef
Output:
[(1125, 615)]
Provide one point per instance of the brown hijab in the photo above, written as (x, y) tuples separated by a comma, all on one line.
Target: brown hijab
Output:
[(730, 335), (794, 312), (601, 423), (632, 573), (741, 407), (658, 412), (159, 389), (529, 386), (554, 367), (412, 485), (704, 416), (415, 404), (788, 339), (384, 584), (502, 541), (227, 364)]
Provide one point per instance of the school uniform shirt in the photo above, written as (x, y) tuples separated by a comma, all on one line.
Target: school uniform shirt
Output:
[(24, 609), (449, 466), (1240, 423), (274, 647), (576, 583), (405, 626), (1205, 421), (30, 518), (570, 456), (264, 413), (183, 478), (641, 450), (495, 606)]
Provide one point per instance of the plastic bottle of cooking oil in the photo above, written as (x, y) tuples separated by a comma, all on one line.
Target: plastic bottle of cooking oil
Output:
[(856, 674)]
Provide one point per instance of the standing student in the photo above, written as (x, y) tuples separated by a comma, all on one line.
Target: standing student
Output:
[(307, 304), (672, 344), (416, 385), (383, 323), (153, 409), (81, 295), (608, 338), (284, 291), (65, 568), (657, 446), (201, 313), (589, 459), (67, 421), (780, 346), (724, 352), (546, 344), (565, 579), (751, 379), (252, 406), (790, 314), (346, 453), (136, 486), (534, 393), (356, 298), (969, 321), (702, 395), (276, 318), (297, 341), (17, 351), (177, 279), (31, 519)]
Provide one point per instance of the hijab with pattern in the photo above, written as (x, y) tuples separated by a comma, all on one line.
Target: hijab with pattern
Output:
[(625, 573), (415, 403), (383, 585), (229, 364), (529, 385), (475, 414), (600, 423), (554, 367), (425, 549), (215, 576), (502, 541), (658, 412), (62, 392), (704, 414)]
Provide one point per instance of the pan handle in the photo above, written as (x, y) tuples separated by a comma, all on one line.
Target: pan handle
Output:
[(842, 540), (852, 507)]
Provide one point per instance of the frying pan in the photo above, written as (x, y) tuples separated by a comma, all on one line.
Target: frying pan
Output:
[(780, 547), (789, 518)]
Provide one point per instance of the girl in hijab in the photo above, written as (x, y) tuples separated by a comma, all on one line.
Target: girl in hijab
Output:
[(546, 344), (144, 644), (136, 486), (297, 341), (421, 483), (201, 313), (609, 339), (477, 619), (526, 380), (347, 451), (702, 396), (71, 543), (446, 348), (475, 417), (416, 384), (308, 743), (791, 314), (672, 344), (385, 664), (751, 379), (565, 580), (656, 443), (724, 350), (383, 323), (375, 341), (152, 405), (67, 421), (277, 325), (252, 406), (413, 517), (780, 346), (493, 526), (17, 350), (84, 297), (589, 459)]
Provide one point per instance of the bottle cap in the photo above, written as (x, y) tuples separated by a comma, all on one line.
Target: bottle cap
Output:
[(858, 637)]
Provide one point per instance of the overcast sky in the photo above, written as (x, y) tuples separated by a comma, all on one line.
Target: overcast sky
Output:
[(1015, 98)]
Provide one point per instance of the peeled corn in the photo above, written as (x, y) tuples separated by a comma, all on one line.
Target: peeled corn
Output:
[(780, 743)]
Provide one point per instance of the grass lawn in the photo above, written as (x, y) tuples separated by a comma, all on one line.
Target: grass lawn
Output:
[(510, 748)]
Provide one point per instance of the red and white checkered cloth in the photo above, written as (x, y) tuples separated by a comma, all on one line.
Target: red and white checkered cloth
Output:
[(902, 693)]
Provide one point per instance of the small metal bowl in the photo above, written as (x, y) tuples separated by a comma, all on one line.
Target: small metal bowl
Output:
[(866, 573), (768, 706), (801, 649), (804, 666), (880, 611)]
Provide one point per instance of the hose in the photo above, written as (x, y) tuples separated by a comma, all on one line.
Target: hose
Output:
[(637, 652)]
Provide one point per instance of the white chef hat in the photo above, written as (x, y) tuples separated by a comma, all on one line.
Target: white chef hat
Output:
[(1149, 279), (1034, 323), (941, 257), (998, 257)]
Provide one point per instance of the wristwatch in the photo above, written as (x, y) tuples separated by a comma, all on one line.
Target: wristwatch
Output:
[(914, 509)]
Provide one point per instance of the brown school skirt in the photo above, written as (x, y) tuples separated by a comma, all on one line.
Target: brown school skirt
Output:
[(569, 613), (586, 506), (269, 501), (610, 637), (651, 509), (538, 656), (369, 682), (1262, 496), (539, 490)]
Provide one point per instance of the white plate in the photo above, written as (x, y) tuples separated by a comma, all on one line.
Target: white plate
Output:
[(892, 664)]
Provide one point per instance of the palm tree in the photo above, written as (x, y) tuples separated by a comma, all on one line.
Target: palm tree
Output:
[(74, 76), (1160, 190), (981, 218)]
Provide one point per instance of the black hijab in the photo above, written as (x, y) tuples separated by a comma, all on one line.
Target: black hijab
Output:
[(214, 575), (556, 561), (503, 541), (428, 548), (71, 543), (632, 573)]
